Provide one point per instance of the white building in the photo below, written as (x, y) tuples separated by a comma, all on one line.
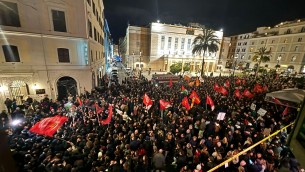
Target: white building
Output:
[(158, 46), (50, 47)]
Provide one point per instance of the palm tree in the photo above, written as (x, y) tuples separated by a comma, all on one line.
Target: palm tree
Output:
[(261, 56), (207, 41)]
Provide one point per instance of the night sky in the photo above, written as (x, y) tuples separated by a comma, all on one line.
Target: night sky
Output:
[(234, 16)]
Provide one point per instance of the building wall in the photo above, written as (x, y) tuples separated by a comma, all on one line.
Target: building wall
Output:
[(96, 46), (286, 41), (181, 51), (37, 43), (137, 40), (146, 42)]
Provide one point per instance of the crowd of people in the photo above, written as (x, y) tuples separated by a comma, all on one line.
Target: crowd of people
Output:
[(139, 139)]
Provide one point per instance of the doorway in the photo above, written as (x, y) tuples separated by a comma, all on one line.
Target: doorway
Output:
[(65, 86)]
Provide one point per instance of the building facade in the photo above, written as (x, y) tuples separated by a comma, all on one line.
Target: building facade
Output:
[(158, 46), (286, 41), (44, 50)]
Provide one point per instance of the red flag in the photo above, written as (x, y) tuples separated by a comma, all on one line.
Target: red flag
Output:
[(147, 101), (170, 83), (182, 88), (238, 81), (237, 94), (227, 83), (285, 112), (79, 101), (216, 87), (185, 103), (108, 119), (223, 91), (48, 126), (195, 98), (210, 102), (164, 104), (98, 109), (265, 88), (258, 88), (248, 94), (276, 101)]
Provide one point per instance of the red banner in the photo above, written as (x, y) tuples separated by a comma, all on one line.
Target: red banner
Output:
[(108, 119), (170, 83), (98, 109), (146, 100), (79, 101), (195, 98), (238, 81), (164, 104), (223, 91), (248, 94), (210, 102), (237, 94), (216, 87), (227, 83), (48, 126), (185, 103)]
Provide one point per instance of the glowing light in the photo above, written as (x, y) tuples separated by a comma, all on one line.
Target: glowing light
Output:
[(158, 21), (16, 122)]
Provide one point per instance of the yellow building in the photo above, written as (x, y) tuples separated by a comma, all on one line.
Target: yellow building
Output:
[(50, 47), (286, 41), (159, 45)]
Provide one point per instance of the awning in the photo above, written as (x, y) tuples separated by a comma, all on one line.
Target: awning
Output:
[(288, 97)]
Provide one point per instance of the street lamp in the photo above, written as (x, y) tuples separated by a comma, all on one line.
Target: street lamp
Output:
[(236, 57)]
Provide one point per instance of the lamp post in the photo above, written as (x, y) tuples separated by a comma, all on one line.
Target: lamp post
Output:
[(236, 57)]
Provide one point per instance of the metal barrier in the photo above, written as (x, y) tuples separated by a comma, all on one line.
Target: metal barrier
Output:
[(249, 148)]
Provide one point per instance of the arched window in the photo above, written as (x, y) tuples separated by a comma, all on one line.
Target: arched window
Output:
[(288, 31), (303, 29)]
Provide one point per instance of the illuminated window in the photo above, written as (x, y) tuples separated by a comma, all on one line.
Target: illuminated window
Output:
[(176, 43), (162, 42), (182, 43), (169, 45), (189, 44)]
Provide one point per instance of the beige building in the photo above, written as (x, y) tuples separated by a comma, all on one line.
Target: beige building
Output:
[(158, 46), (286, 41), (50, 47), (224, 53)]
